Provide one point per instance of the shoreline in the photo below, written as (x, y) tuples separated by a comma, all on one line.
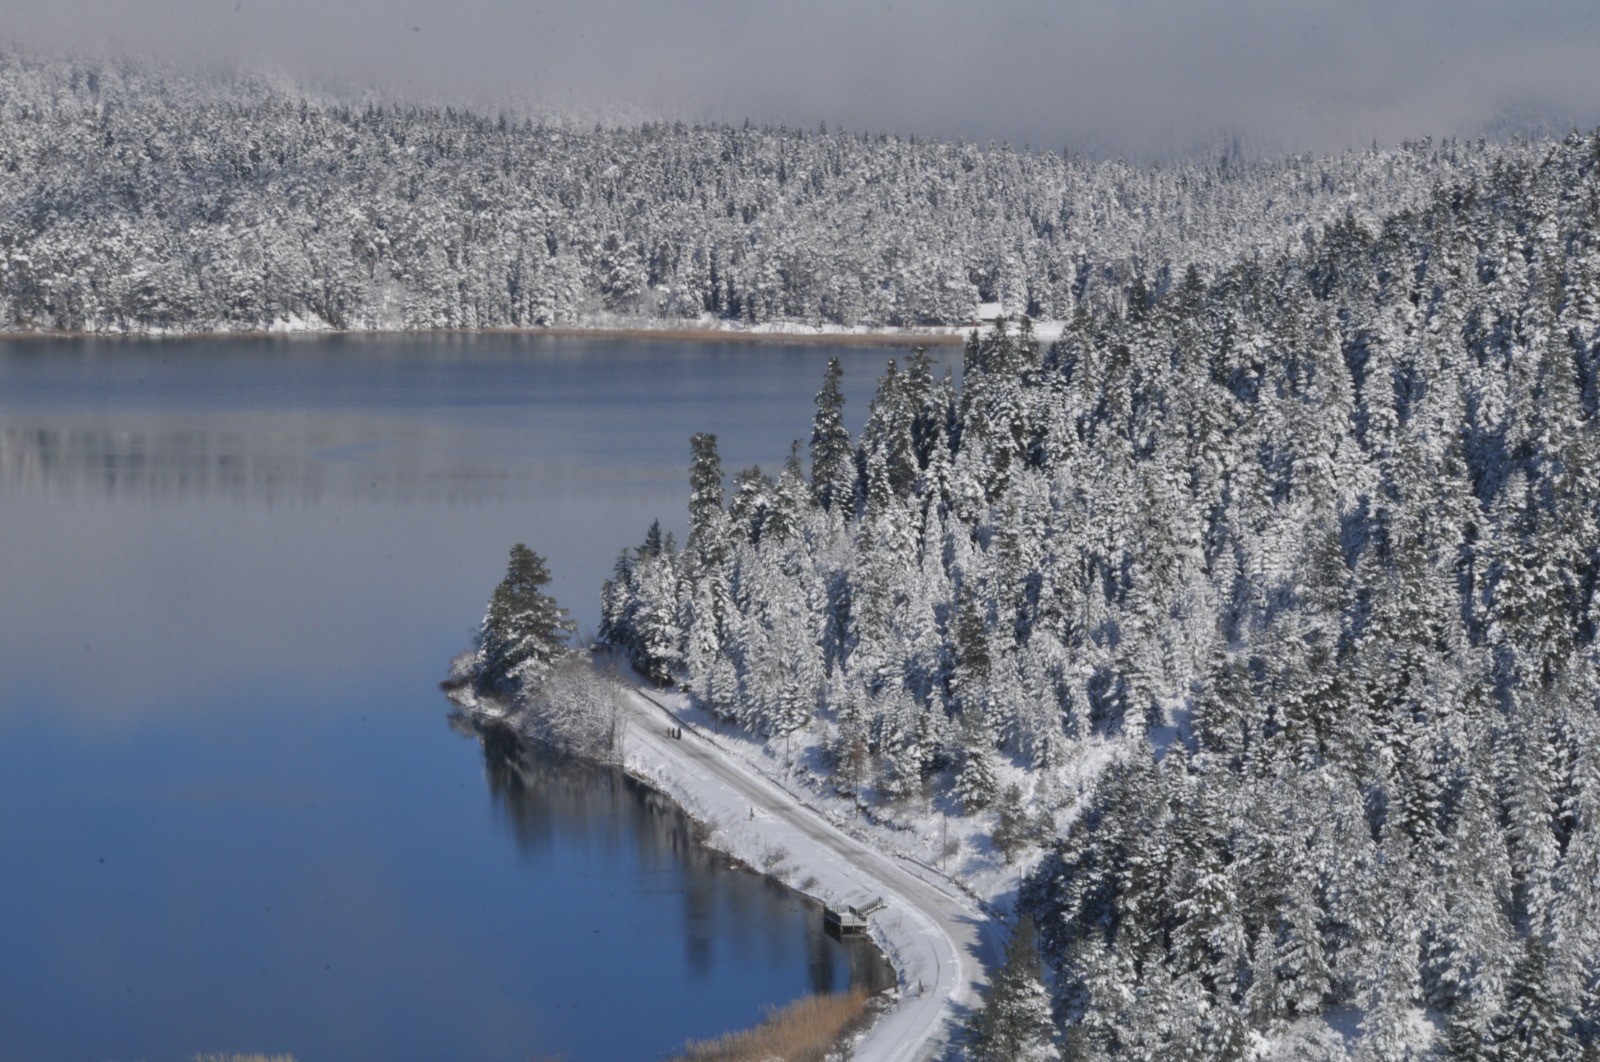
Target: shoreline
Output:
[(878, 1003), (799, 336), (939, 944), (482, 719)]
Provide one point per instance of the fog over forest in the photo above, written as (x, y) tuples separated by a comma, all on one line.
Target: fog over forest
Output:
[(1140, 78)]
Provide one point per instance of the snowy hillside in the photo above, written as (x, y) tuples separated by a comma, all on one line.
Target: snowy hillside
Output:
[(141, 198)]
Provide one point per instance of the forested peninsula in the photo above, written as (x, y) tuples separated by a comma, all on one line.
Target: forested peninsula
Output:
[(1255, 618)]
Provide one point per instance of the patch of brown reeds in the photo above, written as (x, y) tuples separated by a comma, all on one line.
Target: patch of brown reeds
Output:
[(807, 1030)]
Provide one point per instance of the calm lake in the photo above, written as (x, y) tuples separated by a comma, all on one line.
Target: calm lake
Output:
[(233, 816)]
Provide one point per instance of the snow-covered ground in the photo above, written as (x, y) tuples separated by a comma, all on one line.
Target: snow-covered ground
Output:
[(772, 804), (931, 834), (644, 327), (948, 891), (939, 939)]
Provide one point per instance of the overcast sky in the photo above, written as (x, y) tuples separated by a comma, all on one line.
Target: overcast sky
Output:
[(1117, 76)]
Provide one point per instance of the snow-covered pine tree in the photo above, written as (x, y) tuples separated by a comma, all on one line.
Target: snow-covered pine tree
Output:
[(833, 469), (1015, 1024), (977, 780), (523, 629)]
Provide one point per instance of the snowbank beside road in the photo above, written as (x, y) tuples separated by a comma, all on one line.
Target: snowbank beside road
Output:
[(939, 940)]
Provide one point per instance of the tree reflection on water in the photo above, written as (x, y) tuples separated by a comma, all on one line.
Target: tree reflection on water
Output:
[(545, 800)]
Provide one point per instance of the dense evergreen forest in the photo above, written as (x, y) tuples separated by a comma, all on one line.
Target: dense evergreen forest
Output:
[(138, 197), (1311, 542)]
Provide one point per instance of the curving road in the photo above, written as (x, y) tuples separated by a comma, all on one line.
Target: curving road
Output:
[(937, 939)]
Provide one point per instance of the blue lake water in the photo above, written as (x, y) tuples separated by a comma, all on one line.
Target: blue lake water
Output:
[(232, 814)]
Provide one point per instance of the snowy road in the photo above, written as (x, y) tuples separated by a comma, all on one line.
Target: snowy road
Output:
[(937, 939)]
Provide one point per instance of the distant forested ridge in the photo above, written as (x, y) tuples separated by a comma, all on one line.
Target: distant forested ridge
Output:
[(1305, 550), (136, 197)]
